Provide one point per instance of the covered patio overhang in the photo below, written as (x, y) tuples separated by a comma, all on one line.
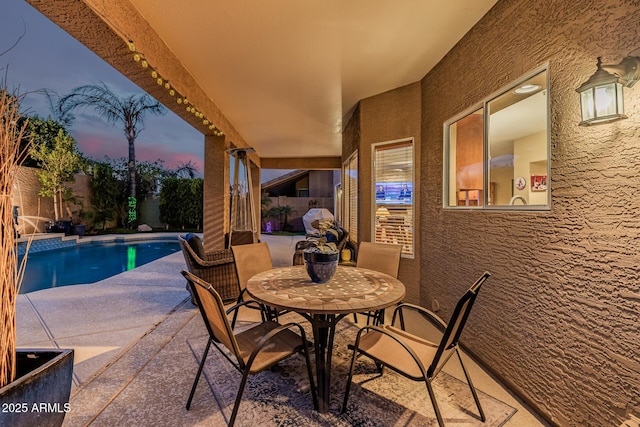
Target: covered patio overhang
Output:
[(282, 78)]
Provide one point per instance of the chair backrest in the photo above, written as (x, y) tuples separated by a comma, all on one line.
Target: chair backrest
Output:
[(456, 323), (187, 252), (381, 257), (213, 313), (250, 260)]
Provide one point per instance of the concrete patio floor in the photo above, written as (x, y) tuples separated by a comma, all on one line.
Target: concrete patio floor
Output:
[(125, 328)]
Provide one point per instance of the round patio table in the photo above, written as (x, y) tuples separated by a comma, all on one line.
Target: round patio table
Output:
[(351, 290)]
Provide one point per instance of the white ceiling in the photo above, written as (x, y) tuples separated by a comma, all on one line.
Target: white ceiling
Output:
[(287, 72)]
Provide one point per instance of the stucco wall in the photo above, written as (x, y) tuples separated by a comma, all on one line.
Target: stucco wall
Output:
[(390, 116), (321, 184), (559, 318)]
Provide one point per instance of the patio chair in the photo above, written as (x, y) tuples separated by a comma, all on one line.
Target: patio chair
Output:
[(251, 259), (251, 351), (215, 267), (415, 357), (381, 257)]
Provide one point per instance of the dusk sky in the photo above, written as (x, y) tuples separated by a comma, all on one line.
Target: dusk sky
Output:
[(48, 57)]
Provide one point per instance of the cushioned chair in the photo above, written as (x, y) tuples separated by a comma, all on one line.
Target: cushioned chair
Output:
[(250, 260), (413, 356), (253, 350), (381, 257), (215, 267)]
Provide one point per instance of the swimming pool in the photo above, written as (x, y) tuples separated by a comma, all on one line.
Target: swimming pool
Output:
[(90, 262)]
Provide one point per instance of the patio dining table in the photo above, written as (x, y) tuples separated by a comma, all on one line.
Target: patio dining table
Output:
[(351, 290)]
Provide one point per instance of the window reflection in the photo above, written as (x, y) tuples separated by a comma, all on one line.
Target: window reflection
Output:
[(466, 138), (517, 144)]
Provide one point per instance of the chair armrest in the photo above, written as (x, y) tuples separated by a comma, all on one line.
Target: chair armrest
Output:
[(248, 303), (211, 258), (343, 242), (430, 315), (397, 338)]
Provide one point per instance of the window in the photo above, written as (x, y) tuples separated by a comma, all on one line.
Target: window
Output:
[(350, 196), (466, 148), (393, 186), (497, 155)]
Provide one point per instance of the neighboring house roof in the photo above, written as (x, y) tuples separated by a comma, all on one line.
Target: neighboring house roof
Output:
[(284, 179)]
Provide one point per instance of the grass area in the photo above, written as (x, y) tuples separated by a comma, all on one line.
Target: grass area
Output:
[(286, 233)]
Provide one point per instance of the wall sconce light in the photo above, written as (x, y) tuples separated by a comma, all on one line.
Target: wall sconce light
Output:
[(601, 97)]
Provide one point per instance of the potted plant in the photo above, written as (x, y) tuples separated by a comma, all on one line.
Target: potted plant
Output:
[(34, 385), (321, 256)]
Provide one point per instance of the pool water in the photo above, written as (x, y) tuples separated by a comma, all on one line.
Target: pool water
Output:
[(89, 262)]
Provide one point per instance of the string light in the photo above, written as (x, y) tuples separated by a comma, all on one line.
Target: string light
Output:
[(139, 58)]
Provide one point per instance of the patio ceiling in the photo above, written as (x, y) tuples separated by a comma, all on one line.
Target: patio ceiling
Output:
[(287, 73)]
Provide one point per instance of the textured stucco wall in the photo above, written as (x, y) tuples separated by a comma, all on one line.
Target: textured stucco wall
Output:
[(559, 318), (216, 204), (321, 184), (390, 116)]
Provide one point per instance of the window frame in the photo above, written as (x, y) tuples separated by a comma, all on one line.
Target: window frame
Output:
[(349, 205), (411, 141), (484, 105)]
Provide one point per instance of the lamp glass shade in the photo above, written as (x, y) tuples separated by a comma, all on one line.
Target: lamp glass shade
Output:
[(602, 103)]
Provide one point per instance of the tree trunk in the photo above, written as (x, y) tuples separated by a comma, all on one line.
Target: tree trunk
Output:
[(132, 205), (56, 216), (132, 168)]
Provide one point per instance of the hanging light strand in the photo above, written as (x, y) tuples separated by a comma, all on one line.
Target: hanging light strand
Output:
[(181, 100)]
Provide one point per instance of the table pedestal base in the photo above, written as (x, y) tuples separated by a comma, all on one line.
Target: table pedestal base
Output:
[(324, 329)]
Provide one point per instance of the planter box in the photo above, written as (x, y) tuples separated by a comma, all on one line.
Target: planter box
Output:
[(40, 394)]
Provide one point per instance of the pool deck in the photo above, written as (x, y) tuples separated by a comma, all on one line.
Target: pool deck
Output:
[(132, 366), (102, 319)]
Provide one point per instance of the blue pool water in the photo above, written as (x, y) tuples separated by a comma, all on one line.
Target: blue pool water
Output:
[(89, 262)]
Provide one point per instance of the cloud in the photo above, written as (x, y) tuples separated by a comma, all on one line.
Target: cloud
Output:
[(47, 57)]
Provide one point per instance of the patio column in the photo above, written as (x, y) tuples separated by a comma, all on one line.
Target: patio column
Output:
[(216, 192), (257, 196)]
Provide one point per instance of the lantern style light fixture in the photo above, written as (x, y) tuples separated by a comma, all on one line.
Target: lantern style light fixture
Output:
[(601, 97)]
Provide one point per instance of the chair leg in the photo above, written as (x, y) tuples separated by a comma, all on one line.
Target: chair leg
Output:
[(401, 314), (349, 378), (314, 393), (236, 406), (378, 317), (355, 317), (436, 409), (195, 382), (473, 389)]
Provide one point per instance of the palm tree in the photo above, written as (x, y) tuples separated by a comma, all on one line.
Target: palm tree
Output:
[(127, 111), (186, 170), (285, 211)]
